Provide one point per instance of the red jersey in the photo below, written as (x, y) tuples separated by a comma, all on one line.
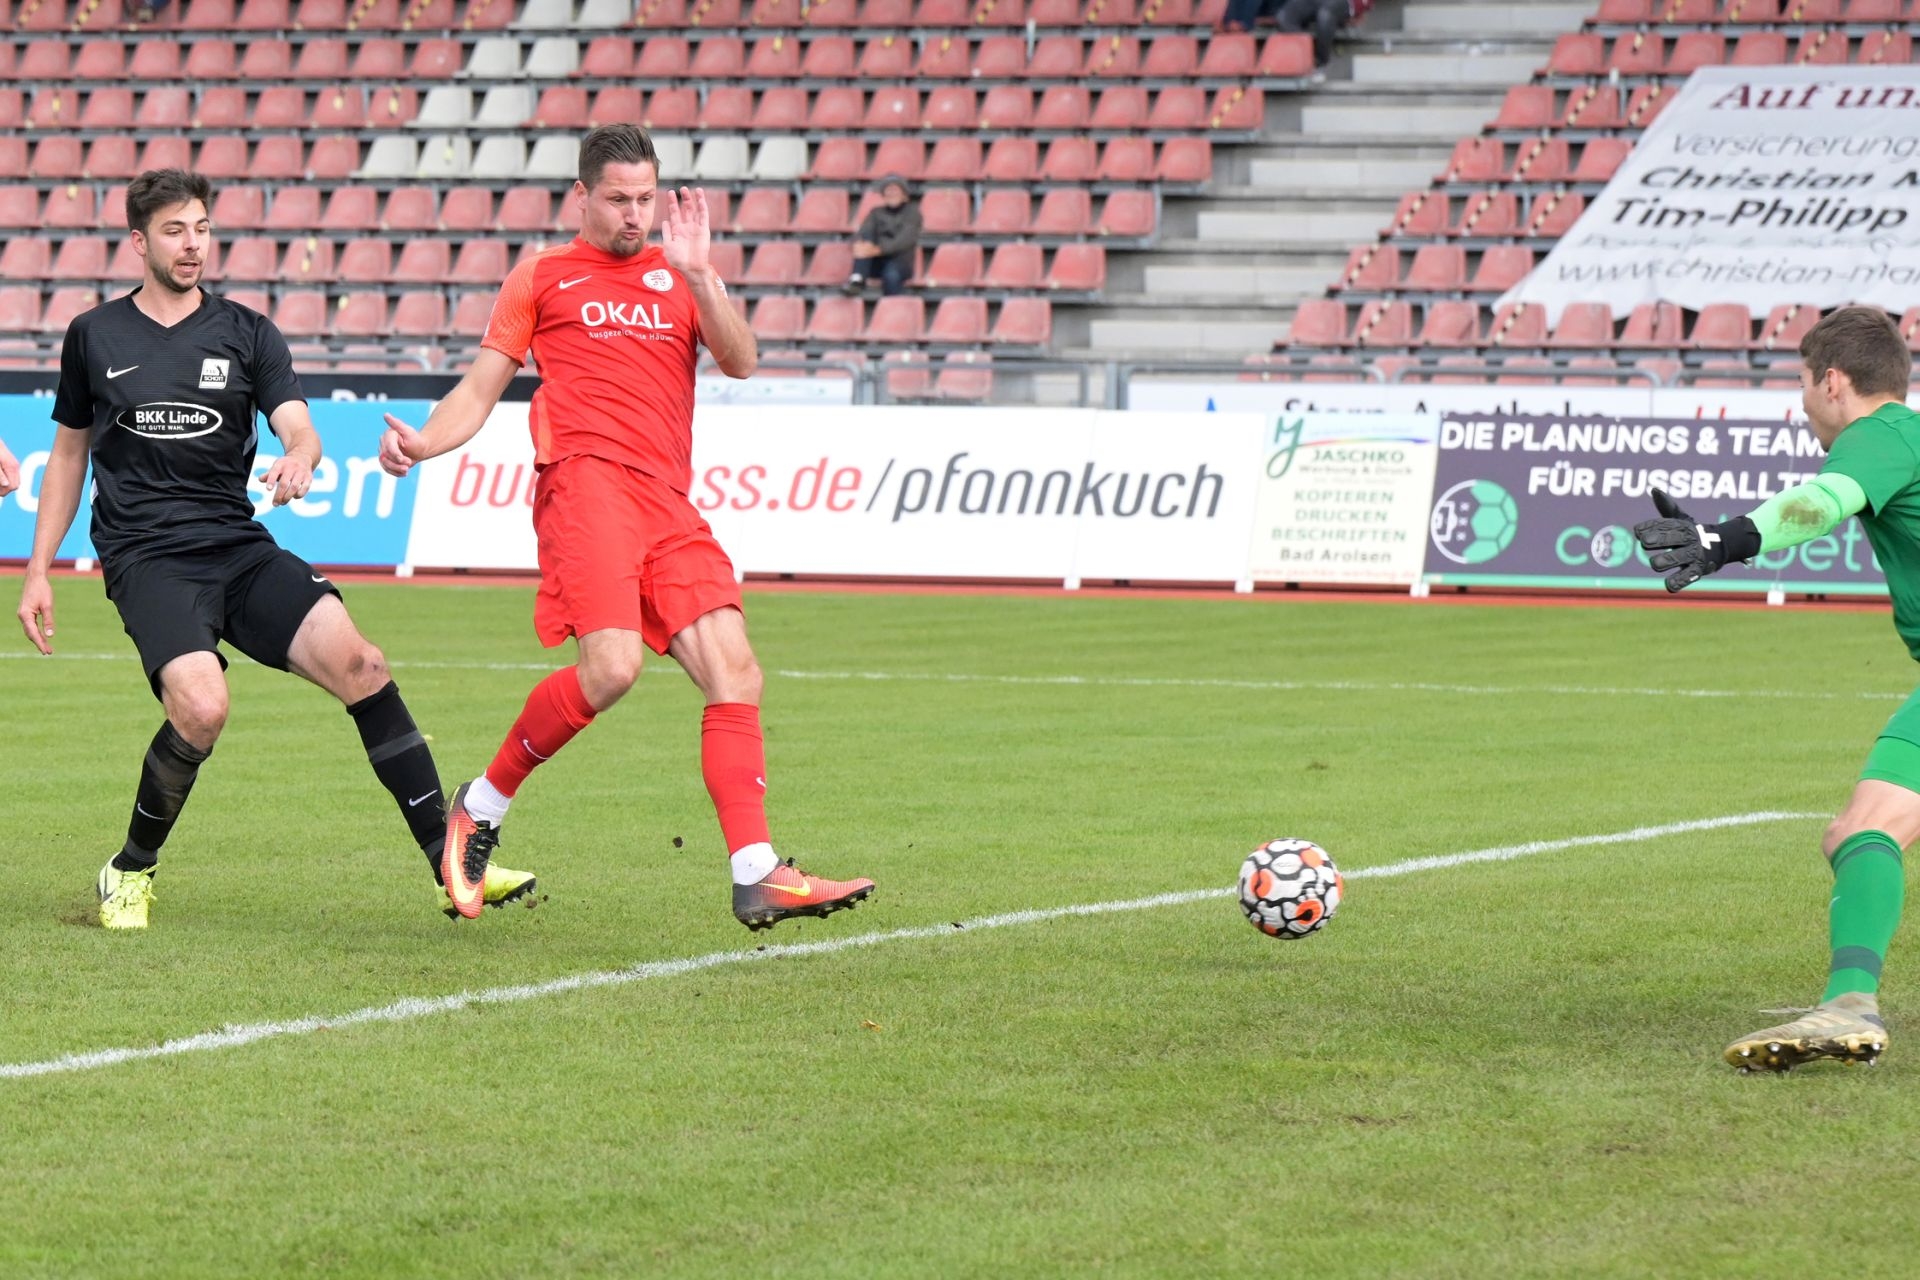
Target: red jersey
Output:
[(616, 341)]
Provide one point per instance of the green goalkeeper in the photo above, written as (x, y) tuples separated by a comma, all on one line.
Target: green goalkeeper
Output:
[(1854, 387)]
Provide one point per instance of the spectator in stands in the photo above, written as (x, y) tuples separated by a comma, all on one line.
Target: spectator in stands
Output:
[(1321, 18), (9, 471), (148, 10), (888, 241)]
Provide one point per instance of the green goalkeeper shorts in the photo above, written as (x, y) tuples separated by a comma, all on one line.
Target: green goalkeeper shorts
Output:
[(1895, 756)]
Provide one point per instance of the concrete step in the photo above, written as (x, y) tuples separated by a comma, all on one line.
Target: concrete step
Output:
[(1347, 178), (1469, 18), (1375, 70), (1389, 121), (1236, 285), (1153, 334), (1323, 232)]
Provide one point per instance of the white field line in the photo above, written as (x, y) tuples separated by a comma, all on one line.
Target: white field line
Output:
[(1171, 682), (413, 1007)]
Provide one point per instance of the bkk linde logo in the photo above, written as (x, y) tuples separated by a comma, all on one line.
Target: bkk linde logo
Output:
[(168, 420), (1474, 521)]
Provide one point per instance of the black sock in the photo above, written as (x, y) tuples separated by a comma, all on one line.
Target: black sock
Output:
[(404, 764), (166, 777)]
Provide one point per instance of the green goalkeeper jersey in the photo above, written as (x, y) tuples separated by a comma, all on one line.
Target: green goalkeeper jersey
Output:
[(1881, 454)]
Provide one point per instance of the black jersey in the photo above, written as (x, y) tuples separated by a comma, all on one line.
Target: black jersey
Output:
[(172, 416)]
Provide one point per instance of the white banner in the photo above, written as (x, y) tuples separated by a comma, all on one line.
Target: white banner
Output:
[(1760, 185), (1047, 494), (1344, 498)]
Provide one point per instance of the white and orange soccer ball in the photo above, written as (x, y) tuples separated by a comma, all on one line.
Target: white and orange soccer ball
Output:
[(1290, 888)]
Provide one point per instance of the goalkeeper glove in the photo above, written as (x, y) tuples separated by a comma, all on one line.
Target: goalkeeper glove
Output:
[(1690, 549)]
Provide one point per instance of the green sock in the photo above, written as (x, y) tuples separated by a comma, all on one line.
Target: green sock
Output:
[(1868, 887)]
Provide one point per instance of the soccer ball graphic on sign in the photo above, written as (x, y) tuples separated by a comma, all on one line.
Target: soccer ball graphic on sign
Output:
[(1474, 521), (1290, 888)]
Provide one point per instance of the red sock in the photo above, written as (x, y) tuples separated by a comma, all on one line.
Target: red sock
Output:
[(734, 763), (555, 711)]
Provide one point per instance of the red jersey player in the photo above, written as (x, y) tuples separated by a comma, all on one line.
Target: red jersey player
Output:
[(626, 563)]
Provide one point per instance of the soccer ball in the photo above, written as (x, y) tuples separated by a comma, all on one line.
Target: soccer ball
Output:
[(1290, 888)]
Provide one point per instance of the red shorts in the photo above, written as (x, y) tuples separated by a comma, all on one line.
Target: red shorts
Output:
[(619, 548)]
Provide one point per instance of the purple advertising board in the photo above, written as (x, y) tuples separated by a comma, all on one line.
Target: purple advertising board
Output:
[(1537, 501)]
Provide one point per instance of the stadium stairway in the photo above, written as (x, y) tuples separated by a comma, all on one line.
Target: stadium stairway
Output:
[(1276, 222)]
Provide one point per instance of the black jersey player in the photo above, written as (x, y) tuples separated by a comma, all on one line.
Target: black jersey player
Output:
[(160, 388)]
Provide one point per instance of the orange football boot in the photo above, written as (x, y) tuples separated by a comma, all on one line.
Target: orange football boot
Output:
[(789, 891)]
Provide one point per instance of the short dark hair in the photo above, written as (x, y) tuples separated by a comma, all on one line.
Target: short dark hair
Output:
[(1864, 344), (158, 189), (614, 144)]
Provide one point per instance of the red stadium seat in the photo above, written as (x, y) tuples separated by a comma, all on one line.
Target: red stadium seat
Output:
[(1230, 56), (419, 314), (466, 209), (1056, 58), (774, 262), (959, 322), (1129, 215), (56, 156), (1654, 324), (278, 158), (564, 106), (209, 15), (1696, 49), (1821, 49), (764, 210), (1600, 158), (1552, 215), (307, 260), (431, 261), (1518, 324), (835, 320), (1078, 268), (838, 108), (839, 160), (1116, 57), (947, 57), (1185, 160), (893, 107), (1064, 106), (108, 109), (366, 261), (1063, 211), (1007, 106), (1175, 108), (1481, 160), (1384, 323), (361, 315), (1885, 49), (1451, 323), (1004, 211), (351, 209), (13, 157), (1751, 11), (471, 312), (886, 13), (1723, 326), (775, 13), (965, 376), (728, 258), (833, 13), (662, 58), (239, 208), (1874, 11), (822, 210), (156, 60), (1122, 108), (608, 58), (1238, 109), (44, 60), (521, 209), (888, 58), (1640, 54), (166, 108), (1173, 57), (954, 266), (1012, 159), (1488, 215), (1583, 325), (896, 321), (1000, 58), (26, 258), (327, 60), (20, 308), (1501, 267), (165, 153), (1286, 57), (951, 107), (715, 57), (264, 15), (81, 258), (66, 305), (617, 104), (1785, 325), (1581, 54), (69, 206), (829, 58), (1597, 106), (1420, 215), (1074, 158), (830, 265), (1126, 159), (1017, 265), (774, 57), (1759, 49), (334, 158), (1624, 13), (283, 107), (1437, 267), (778, 109), (946, 210), (1026, 322), (302, 313)]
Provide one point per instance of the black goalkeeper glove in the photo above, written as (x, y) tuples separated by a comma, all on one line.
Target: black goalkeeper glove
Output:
[(1690, 549)]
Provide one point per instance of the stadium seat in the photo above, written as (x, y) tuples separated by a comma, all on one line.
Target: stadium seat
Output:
[(1722, 326), (1384, 323), (1600, 158), (470, 314), (1759, 49), (728, 257), (1371, 268), (772, 57), (361, 315), (1518, 324), (69, 206), (1230, 56), (1078, 268), (839, 160), (47, 60), (285, 107), (1238, 109), (1006, 211), (665, 109), (1420, 215), (898, 157), (888, 58), (1751, 11), (1176, 108), (946, 57), (430, 261), (822, 210), (365, 261), (1874, 11), (26, 258), (565, 107), (1526, 106), (240, 208), (334, 158), (1910, 328), (1172, 57), (1129, 215), (721, 159), (350, 209), (1121, 108), (1007, 106), (1579, 54), (1016, 266), (1821, 48), (835, 320), (951, 107), (263, 15), (1885, 48), (1005, 58), (521, 209), (763, 210), (1488, 215), (13, 156), (56, 156), (1654, 324), (835, 109), (1026, 322), (946, 210), (105, 109), (965, 377), (1072, 159), (1583, 325), (1287, 57), (1011, 159), (1064, 211), (65, 305), (1437, 267), (465, 209), (420, 314), (1501, 267), (279, 157), (1477, 160), (80, 258), (1596, 106), (1117, 57), (1785, 325), (1641, 54), (156, 60), (908, 375), (774, 262), (1126, 159), (1696, 49), (958, 322), (320, 59), (20, 308), (1553, 214), (954, 266), (828, 58), (387, 60), (307, 260), (895, 321), (301, 313), (829, 266)]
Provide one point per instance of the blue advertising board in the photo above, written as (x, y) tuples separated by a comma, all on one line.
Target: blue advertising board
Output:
[(355, 514)]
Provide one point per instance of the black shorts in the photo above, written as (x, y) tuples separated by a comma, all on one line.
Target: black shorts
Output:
[(253, 596)]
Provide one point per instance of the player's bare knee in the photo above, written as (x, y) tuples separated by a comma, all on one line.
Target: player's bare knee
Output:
[(198, 715), (606, 677), (366, 671), (745, 683)]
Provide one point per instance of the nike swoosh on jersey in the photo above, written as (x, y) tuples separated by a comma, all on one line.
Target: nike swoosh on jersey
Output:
[(568, 284), (114, 373)]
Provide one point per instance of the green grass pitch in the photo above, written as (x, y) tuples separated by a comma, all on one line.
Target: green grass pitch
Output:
[(1504, 1069)]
